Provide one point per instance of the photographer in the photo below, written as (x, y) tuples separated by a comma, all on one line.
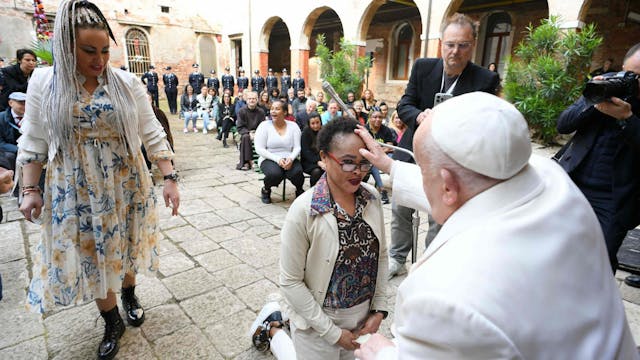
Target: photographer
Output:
[(603, 158)]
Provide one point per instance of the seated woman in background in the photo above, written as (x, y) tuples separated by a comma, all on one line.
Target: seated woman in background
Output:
[(361, 116), (384, 135), (204, 107), (213, 110), (277, 142), (189, 107), (397, 125), (310, 155), (226, 109), (368, 101), (275, 95), (263, 101), (333, 258)]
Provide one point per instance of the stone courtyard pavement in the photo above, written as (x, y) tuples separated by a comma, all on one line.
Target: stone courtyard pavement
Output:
[(218, 263)]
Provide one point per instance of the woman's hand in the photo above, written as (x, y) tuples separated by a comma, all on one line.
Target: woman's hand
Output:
[(348, 340), (6, 180), (171, 196), (31, 205), (371, 325)]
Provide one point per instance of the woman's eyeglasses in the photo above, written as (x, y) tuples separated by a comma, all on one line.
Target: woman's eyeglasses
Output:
[(350, 167)]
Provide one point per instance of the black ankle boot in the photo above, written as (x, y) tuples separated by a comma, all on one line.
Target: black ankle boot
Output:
[(130, 304), (266, 195), (113, 330), (224, 143)]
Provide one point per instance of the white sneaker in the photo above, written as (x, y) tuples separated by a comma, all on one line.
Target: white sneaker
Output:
[(395, 268), (204, 131), (268, 309), (195, 130), (185, 130)]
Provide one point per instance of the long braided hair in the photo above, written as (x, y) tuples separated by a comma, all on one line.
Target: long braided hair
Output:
[(58, 104)]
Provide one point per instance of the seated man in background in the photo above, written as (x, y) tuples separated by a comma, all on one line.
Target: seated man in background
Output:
[(10, 122), (499, 279), (249, 117), (302, 117)]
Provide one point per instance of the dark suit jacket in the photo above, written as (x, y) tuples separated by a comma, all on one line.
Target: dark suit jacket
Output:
[(425, 82), (588, 124)]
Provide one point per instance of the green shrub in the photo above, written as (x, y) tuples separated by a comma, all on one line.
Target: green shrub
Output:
[(547, 73), (343, 69)]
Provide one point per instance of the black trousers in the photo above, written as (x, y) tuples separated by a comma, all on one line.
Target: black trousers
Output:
[(154, 97), (172, 99), (274, 174), (614, 232), (314, 175)]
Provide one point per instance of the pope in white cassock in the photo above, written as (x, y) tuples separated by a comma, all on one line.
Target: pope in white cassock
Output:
[(519, 269)]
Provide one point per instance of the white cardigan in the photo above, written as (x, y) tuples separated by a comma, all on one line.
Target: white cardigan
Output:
[(308, 255), (35, 137)]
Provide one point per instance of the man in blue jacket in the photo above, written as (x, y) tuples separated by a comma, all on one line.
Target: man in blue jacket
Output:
[(10, 122)]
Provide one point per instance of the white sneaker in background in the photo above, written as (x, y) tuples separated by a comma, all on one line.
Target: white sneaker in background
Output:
[(396, 268)]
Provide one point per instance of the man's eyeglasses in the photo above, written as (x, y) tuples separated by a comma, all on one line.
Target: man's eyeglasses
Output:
[(350, 167), (462, 45)]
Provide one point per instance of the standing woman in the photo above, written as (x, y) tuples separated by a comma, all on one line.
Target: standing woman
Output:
[(84, 120), (15, 78), (189, 108), (368, 101), (333, 258), (227, 114), (277, 142)]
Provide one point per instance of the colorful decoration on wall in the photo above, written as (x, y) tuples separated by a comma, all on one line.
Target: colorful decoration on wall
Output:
[(42, 24)]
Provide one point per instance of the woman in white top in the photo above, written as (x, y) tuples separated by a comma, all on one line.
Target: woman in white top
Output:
[(277, 142), (85, 121), (204, 107)]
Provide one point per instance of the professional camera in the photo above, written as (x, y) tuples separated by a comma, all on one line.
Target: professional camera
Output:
[(623, 85)]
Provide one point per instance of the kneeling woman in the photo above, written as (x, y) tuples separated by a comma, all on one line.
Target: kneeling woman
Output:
[(333, 256), (277, 142)]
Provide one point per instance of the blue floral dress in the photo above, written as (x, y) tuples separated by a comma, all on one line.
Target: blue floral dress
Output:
[(100, 214)]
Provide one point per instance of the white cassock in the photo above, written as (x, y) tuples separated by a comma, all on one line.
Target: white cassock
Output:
[(520, 271)]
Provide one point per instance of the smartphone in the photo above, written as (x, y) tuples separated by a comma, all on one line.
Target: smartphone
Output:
[(441, 97)]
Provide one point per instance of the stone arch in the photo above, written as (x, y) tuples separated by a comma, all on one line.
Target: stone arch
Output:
[(207, 51), (366, 18), (265, 32), (310, 22)]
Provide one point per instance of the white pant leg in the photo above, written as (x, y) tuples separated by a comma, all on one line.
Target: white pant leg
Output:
[(310, 346), (282, 346)]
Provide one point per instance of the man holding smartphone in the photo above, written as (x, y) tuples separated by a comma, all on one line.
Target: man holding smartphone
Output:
[(433, 81)]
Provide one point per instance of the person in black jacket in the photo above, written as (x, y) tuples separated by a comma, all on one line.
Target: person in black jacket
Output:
[(453, 74), (228, 81), (170, 81), (226, 109), (15, 78), (248, 119), (213, 81), (285, 81), (243, 81), (150, 78), (309, 153), (603, 159), (196, 79), (189, 108)]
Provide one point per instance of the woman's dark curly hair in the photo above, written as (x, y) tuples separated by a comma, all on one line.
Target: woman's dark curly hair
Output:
[(332, 129)]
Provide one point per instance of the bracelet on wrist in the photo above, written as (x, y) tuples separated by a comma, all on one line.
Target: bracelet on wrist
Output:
[(27, 189), (172, 177)]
